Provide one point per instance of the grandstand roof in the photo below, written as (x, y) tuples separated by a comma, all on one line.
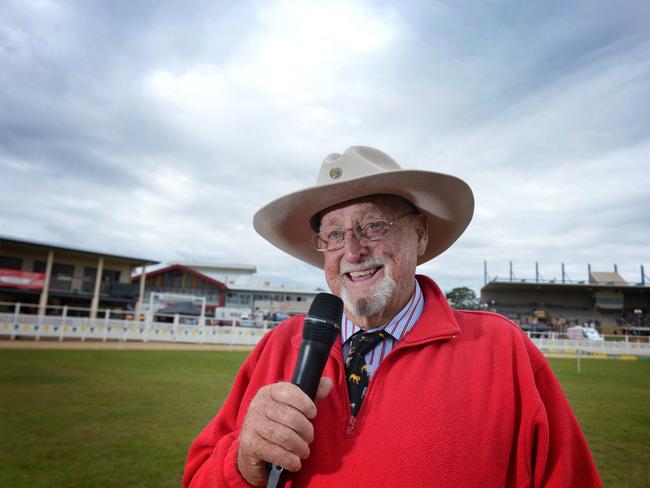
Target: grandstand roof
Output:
[(607, 278), (7, 241), (258, 283), (185, 269), (232, 281), (222, 267), (553, 286)]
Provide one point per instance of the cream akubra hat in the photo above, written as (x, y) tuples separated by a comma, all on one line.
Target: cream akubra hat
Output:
[(289, 222)]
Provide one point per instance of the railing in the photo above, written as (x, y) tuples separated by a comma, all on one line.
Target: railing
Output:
[(14, 326), (246, 332), (60, 310), (622, 346)]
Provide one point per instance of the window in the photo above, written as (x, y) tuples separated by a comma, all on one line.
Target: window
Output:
[(110, 275), (9, 262), (61, 278), (238, 299)]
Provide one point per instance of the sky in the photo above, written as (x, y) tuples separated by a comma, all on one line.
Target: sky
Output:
[(157, 129)]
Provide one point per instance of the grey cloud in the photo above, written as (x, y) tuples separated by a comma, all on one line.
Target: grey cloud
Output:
[(542, 109)]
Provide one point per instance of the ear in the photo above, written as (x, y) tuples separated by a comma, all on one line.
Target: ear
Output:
[(422, 230)]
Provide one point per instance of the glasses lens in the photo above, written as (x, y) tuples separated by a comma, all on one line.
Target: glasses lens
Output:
[(373, 230), (335, 239), (328, 242)]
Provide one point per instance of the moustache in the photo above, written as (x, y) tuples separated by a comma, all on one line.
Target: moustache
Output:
[(368, 263)]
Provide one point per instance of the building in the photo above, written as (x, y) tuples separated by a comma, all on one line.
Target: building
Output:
[(605, 298), (53, 279), (230, 290)]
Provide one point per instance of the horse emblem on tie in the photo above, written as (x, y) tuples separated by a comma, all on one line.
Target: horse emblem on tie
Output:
[(354, 377)]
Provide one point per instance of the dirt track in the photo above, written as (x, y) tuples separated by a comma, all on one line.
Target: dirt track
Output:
[(143, 346), (155, 346)]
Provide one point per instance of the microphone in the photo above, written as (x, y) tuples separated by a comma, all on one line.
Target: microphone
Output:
[(322, 325)]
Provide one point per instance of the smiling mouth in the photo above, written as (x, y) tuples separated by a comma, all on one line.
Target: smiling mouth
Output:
[(362, 275)]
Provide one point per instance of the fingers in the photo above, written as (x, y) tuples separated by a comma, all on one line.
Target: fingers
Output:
[(276, 430), (284, 415), (293, 396)]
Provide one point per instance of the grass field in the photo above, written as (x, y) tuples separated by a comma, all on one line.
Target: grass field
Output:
[(126, 418)]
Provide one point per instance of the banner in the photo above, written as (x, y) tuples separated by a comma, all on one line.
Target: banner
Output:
[(22, 279)]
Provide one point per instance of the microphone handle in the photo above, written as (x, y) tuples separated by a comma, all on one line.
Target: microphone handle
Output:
[(310, 365), (276, 477)]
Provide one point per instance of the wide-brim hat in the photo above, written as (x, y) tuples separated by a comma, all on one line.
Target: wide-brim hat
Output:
[(289, 222)]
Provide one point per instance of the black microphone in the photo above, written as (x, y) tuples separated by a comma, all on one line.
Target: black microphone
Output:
[(322, 326)]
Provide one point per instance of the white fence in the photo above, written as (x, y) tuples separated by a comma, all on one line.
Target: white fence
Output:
[(627, 346), (104, 329), (14, 325)]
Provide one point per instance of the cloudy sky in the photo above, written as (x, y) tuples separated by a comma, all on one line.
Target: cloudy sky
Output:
[(157, 129)]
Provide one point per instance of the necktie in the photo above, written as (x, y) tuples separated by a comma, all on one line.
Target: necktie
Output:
[(356, 368)]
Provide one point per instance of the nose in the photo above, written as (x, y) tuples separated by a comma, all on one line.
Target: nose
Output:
[(353, 247)]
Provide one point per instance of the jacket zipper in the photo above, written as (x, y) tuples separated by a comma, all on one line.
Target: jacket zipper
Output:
[(352, 420), (350, 427)]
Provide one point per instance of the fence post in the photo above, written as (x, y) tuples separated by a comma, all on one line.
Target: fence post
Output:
[(201, 332), (147, 327), (39, 326), (84, 327), (107, 316), (16, 320), (64, 319), (232, 334)]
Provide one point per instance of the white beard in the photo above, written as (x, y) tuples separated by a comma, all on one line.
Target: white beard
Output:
[(376, 299)]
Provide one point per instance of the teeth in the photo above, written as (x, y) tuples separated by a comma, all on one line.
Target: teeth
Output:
[(365, 272)]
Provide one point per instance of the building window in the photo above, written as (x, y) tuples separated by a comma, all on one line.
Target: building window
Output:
[(108, 276), (9, 262), (111, 276), (61, 278), (239, 299)]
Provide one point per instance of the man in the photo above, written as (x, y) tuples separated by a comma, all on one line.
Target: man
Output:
[(414, 393)]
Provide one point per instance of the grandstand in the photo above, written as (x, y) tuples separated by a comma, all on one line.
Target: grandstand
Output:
[(604, 300)]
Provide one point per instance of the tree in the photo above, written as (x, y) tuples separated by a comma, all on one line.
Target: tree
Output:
[(462, 298)]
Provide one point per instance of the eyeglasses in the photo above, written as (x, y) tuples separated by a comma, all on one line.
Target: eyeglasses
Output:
[(334, 239)]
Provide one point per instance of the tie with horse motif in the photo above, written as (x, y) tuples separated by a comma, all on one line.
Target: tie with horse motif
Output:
[(356, 368)]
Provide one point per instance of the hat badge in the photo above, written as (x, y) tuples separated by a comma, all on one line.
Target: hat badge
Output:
[(335, 172)]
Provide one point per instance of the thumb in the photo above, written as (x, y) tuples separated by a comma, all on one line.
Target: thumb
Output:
[(324, 388)]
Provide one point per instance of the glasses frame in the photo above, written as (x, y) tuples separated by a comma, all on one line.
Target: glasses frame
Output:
[(390, 223)]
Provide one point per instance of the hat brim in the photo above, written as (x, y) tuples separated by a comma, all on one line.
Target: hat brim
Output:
[(446, 201)]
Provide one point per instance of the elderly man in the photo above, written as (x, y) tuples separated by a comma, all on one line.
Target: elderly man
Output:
[(439, 397)]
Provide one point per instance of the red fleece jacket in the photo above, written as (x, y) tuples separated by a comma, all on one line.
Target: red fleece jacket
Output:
[(464, 400)]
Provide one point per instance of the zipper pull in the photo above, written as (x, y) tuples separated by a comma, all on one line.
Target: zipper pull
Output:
[(350, 428)]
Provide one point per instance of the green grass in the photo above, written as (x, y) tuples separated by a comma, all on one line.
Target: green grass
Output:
[(126, 418), (105, 418), (612, 402)]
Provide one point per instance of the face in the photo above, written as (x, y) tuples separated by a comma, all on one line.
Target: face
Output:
[(375, 279)]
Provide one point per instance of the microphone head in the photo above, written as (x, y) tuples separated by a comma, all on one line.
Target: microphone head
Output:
[(326, 307), (323, 320)]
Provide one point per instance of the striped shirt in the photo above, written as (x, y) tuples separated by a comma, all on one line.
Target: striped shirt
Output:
[(397, 328)]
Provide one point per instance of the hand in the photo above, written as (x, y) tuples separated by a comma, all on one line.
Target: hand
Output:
[(277, 429)]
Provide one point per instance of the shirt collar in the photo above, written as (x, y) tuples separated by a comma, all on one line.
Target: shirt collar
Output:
[(398, 326)]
